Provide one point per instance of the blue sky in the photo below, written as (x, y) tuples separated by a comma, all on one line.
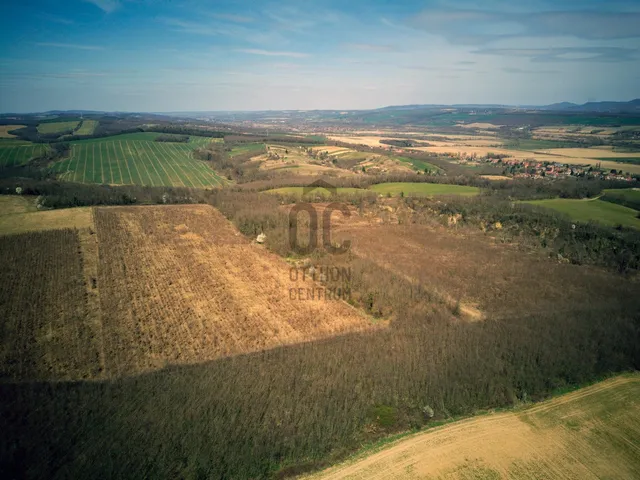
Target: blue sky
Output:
[(186, 55)]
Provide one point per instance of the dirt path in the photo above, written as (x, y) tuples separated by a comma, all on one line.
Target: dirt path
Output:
[(561, 438)]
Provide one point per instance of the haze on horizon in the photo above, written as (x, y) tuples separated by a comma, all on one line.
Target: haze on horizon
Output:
[(190, 55)]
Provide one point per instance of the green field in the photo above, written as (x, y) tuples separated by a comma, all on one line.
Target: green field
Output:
[(246, 148), (57, 127), (203, 141), (419, 165), (136, 159), (592, 210), (424, 189), (87, 127), (630, 194), (18, 153)]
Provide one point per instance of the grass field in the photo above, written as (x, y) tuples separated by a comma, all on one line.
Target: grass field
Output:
[(57, 127), (591, 433), (631, 194), (247, 148), (136, 159), (424, 189), (592, 210), (18, 153), (87, 127), (419, 165)]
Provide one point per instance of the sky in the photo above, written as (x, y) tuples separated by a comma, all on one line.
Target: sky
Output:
[(197, 55)]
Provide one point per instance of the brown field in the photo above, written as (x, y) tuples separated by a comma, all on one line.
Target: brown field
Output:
[(591, 433), (541, 157), (488, 278), (370, 141), (180, 285), (155, 286), (48, 331), (19, 222), (480, 126), (11, 204), (482, 145), (5, 129), (588, 153)]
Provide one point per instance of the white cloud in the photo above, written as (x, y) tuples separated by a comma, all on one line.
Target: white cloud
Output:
[(107, 6), (271, 53), (69, 46)]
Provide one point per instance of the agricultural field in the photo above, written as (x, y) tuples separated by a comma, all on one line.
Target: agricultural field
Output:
[(628, 195), (420, 165), (298, 191), (47, 331), (247, 148), (590, 433), (5, 129), (592, 210), (57, 127), (87, 127), (194, 290), (543, 150), (488, 280), (206, 365), (423, 189), (136, 159), (13, 153)]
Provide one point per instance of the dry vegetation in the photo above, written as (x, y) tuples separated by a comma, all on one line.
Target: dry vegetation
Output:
[(30, 221), (480, 145), (46, 329), (5, 129), (591, 433), (180, 285)]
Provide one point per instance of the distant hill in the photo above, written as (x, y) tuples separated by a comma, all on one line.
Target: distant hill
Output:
[(632, 106)]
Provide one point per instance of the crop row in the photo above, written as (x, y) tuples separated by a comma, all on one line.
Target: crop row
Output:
[(12, 155), (119, 162)]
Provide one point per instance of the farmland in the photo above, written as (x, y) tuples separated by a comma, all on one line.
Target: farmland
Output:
[(298, 191), (5, 129), (543, 150), (424, 189), (57, 127), (13, 153), (593, 210), (136, 159), (185, 315), (38, 345), (207, 364), (87, 127), (247, 148), (589, 433)]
